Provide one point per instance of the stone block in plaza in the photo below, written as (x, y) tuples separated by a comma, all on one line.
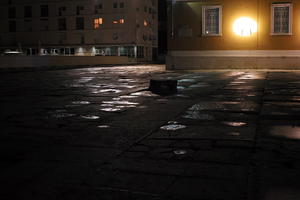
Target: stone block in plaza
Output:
[(163, 86)]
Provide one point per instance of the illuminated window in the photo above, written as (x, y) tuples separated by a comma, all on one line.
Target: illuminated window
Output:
[(98, 22), (115, 22), (212, 20), (122, 21), (145, 23), (281, 19)]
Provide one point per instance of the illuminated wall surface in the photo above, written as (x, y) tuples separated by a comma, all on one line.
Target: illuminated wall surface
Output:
[(246, 25)]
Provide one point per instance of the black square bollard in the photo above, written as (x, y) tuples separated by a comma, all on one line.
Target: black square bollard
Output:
[(163, 86)]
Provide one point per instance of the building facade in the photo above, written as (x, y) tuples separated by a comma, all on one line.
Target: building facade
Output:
[(80, 27), (210, 34)]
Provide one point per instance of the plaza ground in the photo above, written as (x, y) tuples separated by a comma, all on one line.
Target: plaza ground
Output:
[(98, 133)]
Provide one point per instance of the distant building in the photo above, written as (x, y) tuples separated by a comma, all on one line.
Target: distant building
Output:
[(80, 27), (230, 34)]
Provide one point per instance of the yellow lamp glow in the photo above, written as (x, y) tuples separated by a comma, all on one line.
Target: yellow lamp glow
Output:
[(244, 26)]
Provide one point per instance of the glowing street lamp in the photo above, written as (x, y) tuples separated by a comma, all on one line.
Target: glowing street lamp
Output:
[(244, 26)]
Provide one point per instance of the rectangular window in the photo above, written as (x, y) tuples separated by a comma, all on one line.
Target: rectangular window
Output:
[(281, 19), (122, 21), (61, 10), (27, 11), (115, 5), (12, 12), (98, 22), (62, 24), (79, 9), (12, 26), (79, 23), (44, 11), (98, 8), (212, 20), (121, 5)]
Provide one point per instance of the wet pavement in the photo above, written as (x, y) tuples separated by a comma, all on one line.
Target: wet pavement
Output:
[(98, 133)]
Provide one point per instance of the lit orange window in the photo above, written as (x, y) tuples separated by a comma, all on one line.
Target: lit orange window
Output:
[(115, 22), (145, 23), (98, 22), (122, 21)]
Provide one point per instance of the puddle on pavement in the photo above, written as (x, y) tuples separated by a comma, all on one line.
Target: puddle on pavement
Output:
[(198, 116), (93, 117), (127, 97), (81, 102), (188, 80), (234, 133), (234, 124), (103, 126), (180, 152), (120, 102), (144, 94), (199, 85), (180, 88), (114, 91), (172, 126), (85, 79), (291, 132), (111, 109), (128, 80)]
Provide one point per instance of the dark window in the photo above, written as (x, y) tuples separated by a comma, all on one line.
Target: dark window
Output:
[(12, 26), (62, 25), (72, 51), (27, 11), (145, 9), (79, 9), (12, 12), (61, 10), (82, 40), (122, 5), (115, 5), (98, 8), (79, 23), (44, 11)]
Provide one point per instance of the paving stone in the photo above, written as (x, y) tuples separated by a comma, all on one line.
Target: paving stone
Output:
[(189, 188)]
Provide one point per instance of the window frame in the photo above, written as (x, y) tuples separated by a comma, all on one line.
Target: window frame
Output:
[(204, 8), (290, 6)]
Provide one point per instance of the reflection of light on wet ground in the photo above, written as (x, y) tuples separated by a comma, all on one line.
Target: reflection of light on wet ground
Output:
[(81, 102), (172, 127), (180, 88), (106, 91), (110, 109), (85, 79), (199, 85), (291, 132), (144, 94), (103, 126), (120, 102), (198, 115), (90, 117), (180, 152), (62, 115), (127, 97), (235, 124), (186, 80)]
